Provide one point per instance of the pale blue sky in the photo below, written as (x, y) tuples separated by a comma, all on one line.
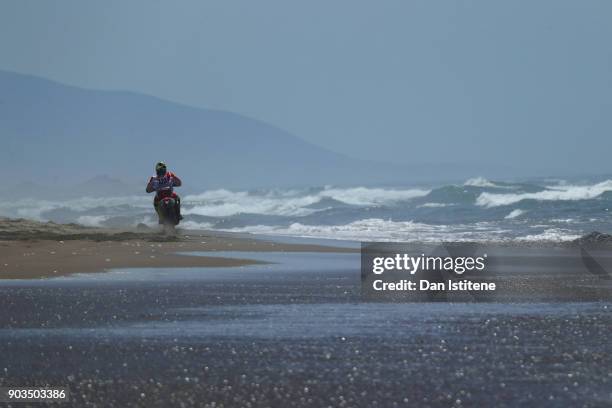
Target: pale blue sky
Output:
[(521, 83)]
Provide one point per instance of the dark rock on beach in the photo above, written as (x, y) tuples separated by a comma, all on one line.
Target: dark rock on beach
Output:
[(594, 237)]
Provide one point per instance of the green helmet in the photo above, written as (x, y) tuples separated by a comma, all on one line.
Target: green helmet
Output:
[(160, 168)]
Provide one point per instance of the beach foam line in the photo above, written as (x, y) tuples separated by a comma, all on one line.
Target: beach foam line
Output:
[(376, 229)]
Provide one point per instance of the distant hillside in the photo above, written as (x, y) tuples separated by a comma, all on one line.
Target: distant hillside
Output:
[(58, 135)]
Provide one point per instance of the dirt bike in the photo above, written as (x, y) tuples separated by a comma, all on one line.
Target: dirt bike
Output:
[(168, 213)]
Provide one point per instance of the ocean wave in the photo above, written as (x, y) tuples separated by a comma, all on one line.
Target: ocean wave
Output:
[(92, 220), (552, 193), (566, 220), (216, 203), (514, 214), (359, 213), (479, 182), (551, 234), (372, 196), (35, 209), (375, 229), (225, 203), (434, 205)]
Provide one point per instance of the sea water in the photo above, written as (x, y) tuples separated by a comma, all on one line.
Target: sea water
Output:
[(476, 209)]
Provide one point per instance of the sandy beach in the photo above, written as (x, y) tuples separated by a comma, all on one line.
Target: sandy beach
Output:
[(30, 249)]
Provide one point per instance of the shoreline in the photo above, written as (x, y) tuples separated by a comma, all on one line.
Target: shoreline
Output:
[(34, 250)]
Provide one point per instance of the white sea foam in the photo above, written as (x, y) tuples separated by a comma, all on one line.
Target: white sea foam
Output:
[(567, 220), (269, 207), (35, 209), (92, 220), (434, 205), (375, 229), (560, 192), (372, 196), (195, 225), (479, 182), (214, 203), (224, 203), (551, 234), (514, 214), (383, 230)]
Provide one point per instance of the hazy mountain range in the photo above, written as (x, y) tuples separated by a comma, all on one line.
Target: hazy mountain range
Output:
[(59, 138)]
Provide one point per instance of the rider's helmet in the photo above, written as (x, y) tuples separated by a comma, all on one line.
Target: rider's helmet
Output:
[(160, 169)]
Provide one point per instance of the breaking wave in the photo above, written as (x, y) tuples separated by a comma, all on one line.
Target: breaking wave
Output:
[(551, 234), (479, 182), (375, 229), (223, 203), (552, 193), (478, 209), (514, 213)]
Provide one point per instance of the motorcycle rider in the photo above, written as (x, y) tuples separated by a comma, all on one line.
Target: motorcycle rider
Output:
[(163, 184)]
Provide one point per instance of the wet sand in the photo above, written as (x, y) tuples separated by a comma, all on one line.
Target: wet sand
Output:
[(271, 324), (30, 250), (293, 332)]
